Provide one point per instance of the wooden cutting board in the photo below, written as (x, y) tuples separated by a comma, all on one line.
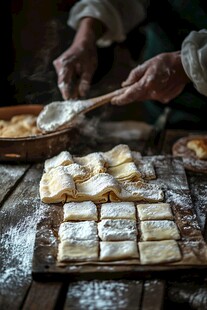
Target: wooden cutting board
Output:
[(172, 179)]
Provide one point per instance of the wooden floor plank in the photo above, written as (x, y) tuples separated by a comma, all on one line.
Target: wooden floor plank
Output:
[(99, 295), (153, 295), (19, 215), (10, 174), (43, 296)]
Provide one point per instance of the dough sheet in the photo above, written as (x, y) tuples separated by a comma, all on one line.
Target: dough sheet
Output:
[(62, 159), (125, 172)]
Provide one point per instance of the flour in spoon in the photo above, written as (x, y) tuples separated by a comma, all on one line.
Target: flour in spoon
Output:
[(59, 113)]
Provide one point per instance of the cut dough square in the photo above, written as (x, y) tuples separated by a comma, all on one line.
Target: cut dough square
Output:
[(73, 250), (78, 231), (154, 211), (118, 250), (80, 211), (118, 210), (156, 252), (117, 230), (159, 230)]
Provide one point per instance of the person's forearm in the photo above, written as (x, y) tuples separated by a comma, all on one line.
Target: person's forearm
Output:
[(89, 29), (118, 16)]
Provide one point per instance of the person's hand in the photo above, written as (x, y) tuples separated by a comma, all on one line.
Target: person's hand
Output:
[(76, 66), (75, 69), (161, 78)]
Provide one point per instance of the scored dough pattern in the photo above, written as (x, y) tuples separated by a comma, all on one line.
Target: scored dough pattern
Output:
[(112, 211), (117, 233)]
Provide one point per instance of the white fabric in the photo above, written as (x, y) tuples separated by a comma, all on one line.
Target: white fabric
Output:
[(194, 59), (119, 16)]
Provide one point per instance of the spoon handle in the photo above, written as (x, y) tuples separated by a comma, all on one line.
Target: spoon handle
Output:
[(93, 103)]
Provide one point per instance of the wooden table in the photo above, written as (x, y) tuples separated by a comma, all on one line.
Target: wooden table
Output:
[(20, 212)]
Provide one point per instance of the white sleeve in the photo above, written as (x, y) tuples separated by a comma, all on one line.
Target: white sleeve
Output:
[(119, 16), (194, 59)]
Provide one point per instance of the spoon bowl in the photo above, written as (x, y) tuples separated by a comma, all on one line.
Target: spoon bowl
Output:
[(61, 114)]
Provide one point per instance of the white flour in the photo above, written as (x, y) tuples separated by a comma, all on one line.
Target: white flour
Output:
[(59, 113)]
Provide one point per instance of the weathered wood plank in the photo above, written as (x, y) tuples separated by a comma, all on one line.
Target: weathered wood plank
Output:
[(198, 189), (153, 295), (98, 295), (197, 181), (10, 175), (43, 296), (18, 216)]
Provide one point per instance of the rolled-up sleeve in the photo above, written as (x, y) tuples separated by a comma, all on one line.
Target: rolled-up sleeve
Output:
[(119, 17), (194, 59)]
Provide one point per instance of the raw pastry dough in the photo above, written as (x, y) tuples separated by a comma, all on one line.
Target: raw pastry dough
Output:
[(62, 159), (79, 211), (199, 146), (118, 210), (56, 185), (78, 231), (154, 211), (73, 250), (118, 250), (159, 230), (118, 155), (117, 230), (138, 191), (98, 187), (125, 172), (19, 126), (156, 252), (95, 162), (146, 169), (145, 166), (78, 172)]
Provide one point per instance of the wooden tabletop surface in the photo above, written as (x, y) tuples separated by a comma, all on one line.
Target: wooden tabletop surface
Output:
[(21, 210)]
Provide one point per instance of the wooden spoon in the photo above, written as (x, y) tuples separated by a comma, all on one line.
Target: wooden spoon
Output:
[(61, 114)]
